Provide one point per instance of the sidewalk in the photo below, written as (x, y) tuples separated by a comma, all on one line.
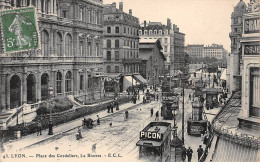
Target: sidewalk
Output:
[(33, 139)]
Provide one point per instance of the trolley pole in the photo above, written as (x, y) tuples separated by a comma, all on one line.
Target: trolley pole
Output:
[(183, 114)]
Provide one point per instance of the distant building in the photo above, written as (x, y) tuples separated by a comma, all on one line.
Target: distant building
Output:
[(165, 33), (195, 51), (121, 40), (178, 60), (214, 50), (234, 59), (152, 60)]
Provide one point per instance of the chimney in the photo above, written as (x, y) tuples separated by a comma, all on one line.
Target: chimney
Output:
[(130, 11), (121, 6), (144, 23), (114, 4), (169, 24)]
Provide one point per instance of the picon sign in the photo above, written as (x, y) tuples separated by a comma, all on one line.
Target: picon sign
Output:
[(19, 29)]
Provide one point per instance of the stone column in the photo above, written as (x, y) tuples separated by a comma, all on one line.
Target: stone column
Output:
[(24, 88), (53, 80), (43, 6), (2, 92), (8, 91), (75, 82), (38, 5), (38, 87), (55, 7), (51, 7), (63, 83)]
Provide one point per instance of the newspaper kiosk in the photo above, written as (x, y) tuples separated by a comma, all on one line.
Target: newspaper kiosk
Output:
[(154, 143)]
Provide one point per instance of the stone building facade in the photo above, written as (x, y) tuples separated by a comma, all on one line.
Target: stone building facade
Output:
[(178, 60), (121, 40), (165, 33), (234, 59), (70, 59), (195, 51), (153, 60)]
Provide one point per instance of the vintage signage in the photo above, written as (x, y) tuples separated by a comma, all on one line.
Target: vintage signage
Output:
[(151, 135), (252, 25), (252, 50), (20, 29)]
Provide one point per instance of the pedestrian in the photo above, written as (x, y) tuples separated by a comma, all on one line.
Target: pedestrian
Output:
[(108, 108), (157, 116), (189, 154), (143, 90), (157, 97), (126, 114), (79, 132), (39, 128), (183, 153), (98, 120), (94, 146), (200, 152), (189, 96), (111, 107), (143, 99), (151, 112), (138, 96)]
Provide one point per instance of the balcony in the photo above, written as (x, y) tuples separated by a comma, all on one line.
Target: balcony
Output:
[(50, 59)]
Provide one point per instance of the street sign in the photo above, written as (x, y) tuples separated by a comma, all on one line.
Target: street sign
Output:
[(19, 29)]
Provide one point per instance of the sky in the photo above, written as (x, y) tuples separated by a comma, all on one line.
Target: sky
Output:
[(203, 21)]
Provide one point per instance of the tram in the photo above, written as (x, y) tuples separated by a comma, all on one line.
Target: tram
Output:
[(170, 103), (154, 143)]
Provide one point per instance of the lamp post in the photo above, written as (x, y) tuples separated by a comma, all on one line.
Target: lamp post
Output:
[(50, 121)]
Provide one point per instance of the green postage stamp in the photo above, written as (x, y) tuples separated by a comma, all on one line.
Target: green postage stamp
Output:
[(19, 29)]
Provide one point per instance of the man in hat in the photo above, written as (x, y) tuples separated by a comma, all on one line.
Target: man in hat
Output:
[(189, 154), (200, 152)]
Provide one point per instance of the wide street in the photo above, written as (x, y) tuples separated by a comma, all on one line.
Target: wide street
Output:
[(115, 143)]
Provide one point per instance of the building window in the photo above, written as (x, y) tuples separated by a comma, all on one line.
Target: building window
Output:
[(117, 29), (117, 69), (124, 29), (89, 16), (165, 48), (166, 40), (89, 49), (81, 48), (97, 49), (59, 44), (81, 82), (254, 92), (108, 55), (109, 29), (108, 43), (58, 82), (160, 32), (45, 43), (68, 45), (68, 81), (145, 32), (140, 32), (150, 32), (116, 55), (108, 69), (116, 43), (64, 13), (155, 32)]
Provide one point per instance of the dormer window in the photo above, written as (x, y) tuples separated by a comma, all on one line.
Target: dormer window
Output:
[(140, 32), (145, 32), (160, 32), (155, 32), (150, 32)]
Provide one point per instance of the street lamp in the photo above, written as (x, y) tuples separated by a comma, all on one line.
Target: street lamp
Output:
[(50, 121)]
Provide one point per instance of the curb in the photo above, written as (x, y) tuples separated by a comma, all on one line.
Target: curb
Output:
[(70, 129)]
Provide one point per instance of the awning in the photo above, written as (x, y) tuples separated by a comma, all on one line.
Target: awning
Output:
[(148, 143), (140, 79), (128, 82)]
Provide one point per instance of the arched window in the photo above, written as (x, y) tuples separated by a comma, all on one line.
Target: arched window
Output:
[(81, 82), (108, 69), (45, 43), (68, 45), (117, 29), (68, 81), (58, 83), (59, 44)]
